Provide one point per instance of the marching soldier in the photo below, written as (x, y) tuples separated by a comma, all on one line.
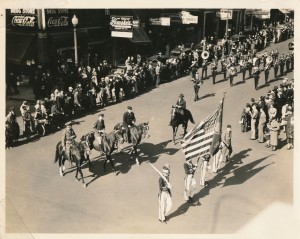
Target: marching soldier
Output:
[(292, 61), (276, 66), (256, 75), (204, 167), (281, 64), (189, 180), (164, 195), (68, 138), (214, 66), (243, 68)]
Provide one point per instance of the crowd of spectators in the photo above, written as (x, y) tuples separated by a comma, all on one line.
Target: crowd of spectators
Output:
[(267, 116)]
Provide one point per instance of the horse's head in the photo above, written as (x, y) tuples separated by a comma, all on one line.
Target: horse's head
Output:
[(119, 135), (145, 130), (77, 150), (89, 138)]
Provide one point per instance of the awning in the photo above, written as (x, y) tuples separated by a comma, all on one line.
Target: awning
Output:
[(19, 47), (139, 36)]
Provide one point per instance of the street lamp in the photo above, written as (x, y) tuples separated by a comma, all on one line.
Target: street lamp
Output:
[(75, 23)]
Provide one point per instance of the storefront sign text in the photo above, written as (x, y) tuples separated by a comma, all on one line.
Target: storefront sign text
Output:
[(23, 21)]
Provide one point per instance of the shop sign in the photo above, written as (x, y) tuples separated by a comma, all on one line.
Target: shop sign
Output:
[(187, 18), (162, 21), (225, 14), (122, 34), (121, 23), (57, 18), (23, 18), (262, 14)]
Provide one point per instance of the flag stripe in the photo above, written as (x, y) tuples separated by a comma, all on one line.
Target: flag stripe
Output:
[(203, 138)]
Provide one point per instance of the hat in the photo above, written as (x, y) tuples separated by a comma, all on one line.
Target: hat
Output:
[(166, 166), (70, 88), (129, 107), (68, 124), (166, 171), (181, 95), (101, 114)]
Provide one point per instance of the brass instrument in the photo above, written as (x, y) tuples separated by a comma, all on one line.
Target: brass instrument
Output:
[(269, 59), (232, 70), (205, 55), (255, 61)]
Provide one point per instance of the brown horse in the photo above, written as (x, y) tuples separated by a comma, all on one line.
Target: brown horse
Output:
[(108, 144), (77, 155), (137, 133)]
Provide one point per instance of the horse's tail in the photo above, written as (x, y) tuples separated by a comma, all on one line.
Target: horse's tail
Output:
[(190, 116), (57, 154)]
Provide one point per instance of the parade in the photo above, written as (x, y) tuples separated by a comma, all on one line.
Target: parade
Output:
[(209, 128)]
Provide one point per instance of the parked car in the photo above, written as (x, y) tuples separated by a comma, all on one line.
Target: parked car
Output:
[(291, 45), (177, 51), (157, 57)]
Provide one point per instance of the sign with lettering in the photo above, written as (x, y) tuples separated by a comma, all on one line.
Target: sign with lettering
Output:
[(187, 18), (162, 21), (225, 14), (121, 23), (25, 18), (57, 18)]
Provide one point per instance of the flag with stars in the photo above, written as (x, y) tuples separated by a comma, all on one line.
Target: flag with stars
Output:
[(205, 137)]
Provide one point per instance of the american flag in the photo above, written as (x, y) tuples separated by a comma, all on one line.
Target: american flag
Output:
[(205, 137)]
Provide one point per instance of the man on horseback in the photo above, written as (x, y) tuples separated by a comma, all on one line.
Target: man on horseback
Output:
[(100, 128), (129, 122), (68, 138), (179, 107)]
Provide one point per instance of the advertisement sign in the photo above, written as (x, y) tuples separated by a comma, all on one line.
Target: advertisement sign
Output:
[(187, 18), (262, 14), (162, 21), (225, 14), (23, 18), (57, 18), (121, 23)]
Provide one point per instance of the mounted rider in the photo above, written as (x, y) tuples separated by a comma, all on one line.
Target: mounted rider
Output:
[(178, 108), (68, 138), (100, 128), (128, 122)]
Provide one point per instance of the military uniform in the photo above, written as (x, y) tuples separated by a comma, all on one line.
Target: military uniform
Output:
[(204, 69), (128, 121), (256, 76), (164, 195), (67, 140), (281, 64), (189, 181), (266, 71)]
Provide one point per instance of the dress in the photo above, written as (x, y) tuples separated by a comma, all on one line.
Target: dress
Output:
[(274, 128)]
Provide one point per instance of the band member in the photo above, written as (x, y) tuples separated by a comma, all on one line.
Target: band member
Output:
[(243, 68), (189, 180), (232, 72), (256, 75), (194, 68), (224, 66), (100, 128), (128, 121), (197, 84), (281, 64), (204, 68), (164, 196), (214, 66), (68, 138), (249, 66), (267, 70), (276, 66)]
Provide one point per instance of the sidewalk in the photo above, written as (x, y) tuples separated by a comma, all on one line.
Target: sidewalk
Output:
[(25, 93)]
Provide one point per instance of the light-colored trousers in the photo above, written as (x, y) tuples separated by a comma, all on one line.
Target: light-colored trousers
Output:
[(189, 186), (217, 160), (164, 205), (253, 129)]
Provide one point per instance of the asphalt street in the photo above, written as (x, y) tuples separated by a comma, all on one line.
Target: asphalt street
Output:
[(38, 200)]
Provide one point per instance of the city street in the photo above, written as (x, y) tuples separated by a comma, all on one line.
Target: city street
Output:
[(258, 181)]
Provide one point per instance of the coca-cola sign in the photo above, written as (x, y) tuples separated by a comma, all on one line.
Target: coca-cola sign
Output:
[(62, 21), (23, 21)]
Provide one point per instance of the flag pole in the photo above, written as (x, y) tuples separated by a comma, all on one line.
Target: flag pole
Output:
[(163, 177)]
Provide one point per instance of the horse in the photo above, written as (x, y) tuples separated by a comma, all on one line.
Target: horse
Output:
[(180, 119), (77, 153), (137, 133), (108, 144)]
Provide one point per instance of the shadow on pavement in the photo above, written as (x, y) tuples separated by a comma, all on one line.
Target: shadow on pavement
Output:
[(206, 96)]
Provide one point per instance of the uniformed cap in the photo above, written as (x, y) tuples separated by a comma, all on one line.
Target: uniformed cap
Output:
[(101, 114), (166, 167), (70, 88), (68, 124), (181, 95), (228, 126), (129, 107)]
